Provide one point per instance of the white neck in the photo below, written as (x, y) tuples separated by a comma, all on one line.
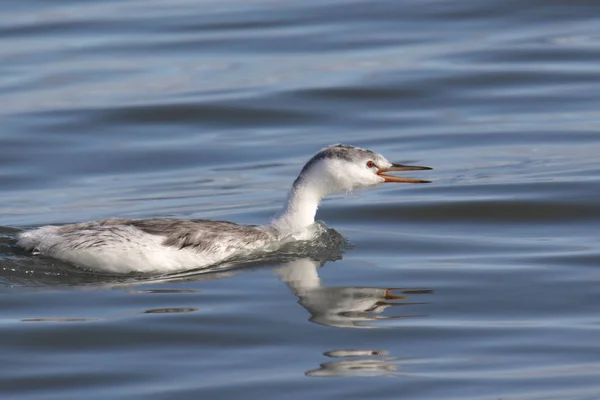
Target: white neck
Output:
[(301, 208)]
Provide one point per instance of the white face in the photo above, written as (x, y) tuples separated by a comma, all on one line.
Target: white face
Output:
[(338, 175)]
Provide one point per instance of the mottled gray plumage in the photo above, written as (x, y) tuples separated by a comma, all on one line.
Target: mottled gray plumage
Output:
[(201, 235)]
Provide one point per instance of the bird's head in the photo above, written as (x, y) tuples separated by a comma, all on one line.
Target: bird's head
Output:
[(341, 168)]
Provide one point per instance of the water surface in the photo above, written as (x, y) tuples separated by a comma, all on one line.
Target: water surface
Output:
[(481, 285)]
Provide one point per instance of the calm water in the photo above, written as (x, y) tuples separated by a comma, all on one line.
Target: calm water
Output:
[(483, 285)]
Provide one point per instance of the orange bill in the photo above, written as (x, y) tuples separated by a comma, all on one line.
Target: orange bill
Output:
[(400, 167)]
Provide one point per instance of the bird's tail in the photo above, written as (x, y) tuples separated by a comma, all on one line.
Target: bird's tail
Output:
[(34, 239)]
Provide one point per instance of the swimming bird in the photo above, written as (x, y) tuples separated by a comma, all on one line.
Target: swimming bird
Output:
[(165, 245)]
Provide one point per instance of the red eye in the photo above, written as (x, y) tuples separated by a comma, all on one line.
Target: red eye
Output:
[(370, 164)]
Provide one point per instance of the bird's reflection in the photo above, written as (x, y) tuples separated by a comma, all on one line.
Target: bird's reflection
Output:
[(364, 363), (343, 306)]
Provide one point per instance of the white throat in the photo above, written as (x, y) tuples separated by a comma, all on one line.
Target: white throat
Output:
[(301, 207)]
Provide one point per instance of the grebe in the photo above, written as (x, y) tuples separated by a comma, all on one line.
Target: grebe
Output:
[(168, 245)]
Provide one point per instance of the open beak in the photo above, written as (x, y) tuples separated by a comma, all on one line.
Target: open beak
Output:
[(400, 167)]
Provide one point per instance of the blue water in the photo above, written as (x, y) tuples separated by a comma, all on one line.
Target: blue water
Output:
[(482, 285)]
